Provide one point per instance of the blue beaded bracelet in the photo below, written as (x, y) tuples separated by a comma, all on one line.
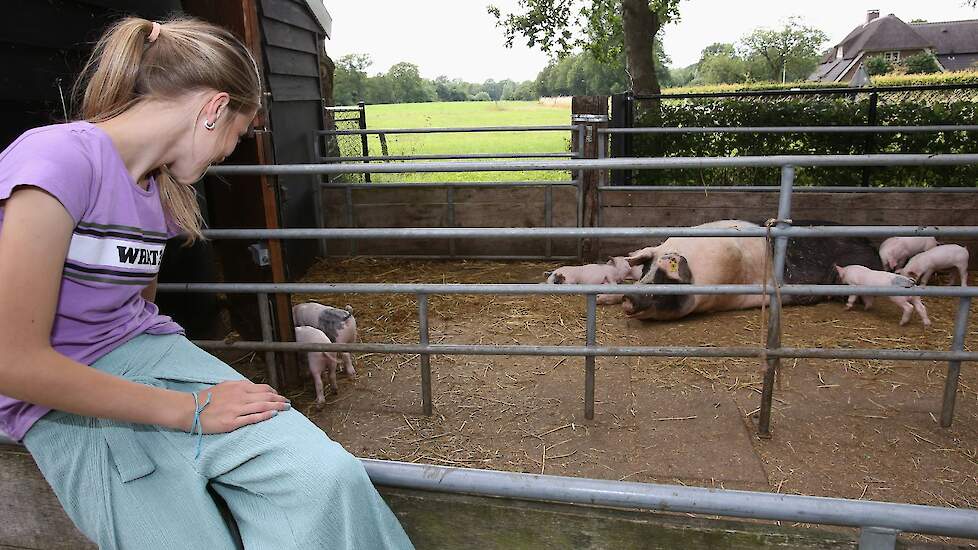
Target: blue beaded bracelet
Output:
[(197, 426)]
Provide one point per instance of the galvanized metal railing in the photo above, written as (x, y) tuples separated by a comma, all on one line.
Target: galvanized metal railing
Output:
[(450, 212), (779, 233), (450, 187), (454, 130), (869, 130), (879, 522), (794, 129)]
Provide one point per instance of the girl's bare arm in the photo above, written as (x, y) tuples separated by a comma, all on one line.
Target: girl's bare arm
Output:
[(33, 244)]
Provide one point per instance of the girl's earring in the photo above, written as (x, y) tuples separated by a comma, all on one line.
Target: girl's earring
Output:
[(209, 125)]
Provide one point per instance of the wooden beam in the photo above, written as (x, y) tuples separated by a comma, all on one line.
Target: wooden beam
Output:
[(583, 109)]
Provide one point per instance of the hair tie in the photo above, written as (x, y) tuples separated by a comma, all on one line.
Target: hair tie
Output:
[(154, 34)]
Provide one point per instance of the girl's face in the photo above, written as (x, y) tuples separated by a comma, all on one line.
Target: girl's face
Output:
[(206, 147)]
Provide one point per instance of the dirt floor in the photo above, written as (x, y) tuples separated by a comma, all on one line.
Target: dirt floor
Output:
[(853, 429)]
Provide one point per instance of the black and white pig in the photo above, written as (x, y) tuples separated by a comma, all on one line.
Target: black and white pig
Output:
[(338, 325), (736, 260)]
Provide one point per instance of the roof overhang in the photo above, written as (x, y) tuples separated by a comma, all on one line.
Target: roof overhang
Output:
[(318, 9)]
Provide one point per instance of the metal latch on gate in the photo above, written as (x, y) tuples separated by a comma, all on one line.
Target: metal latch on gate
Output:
[(259, 254)]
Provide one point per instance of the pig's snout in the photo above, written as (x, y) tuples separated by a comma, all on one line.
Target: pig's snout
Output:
[(635, 303)]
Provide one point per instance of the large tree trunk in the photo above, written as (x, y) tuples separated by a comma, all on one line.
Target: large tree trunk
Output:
[(640, 25)]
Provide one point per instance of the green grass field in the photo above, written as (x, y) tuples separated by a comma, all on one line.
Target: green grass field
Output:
[(470, 113)]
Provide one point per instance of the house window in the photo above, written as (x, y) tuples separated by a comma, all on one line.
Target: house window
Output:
[(892, 57)]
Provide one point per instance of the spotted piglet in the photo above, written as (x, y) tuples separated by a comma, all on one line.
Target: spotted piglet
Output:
[(858, 275), (319, 361), (339, 325), (944, 257)]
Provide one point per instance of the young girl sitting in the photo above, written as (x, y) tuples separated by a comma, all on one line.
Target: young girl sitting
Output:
[(137, 430)]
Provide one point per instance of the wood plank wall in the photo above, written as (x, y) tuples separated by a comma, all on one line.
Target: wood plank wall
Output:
[(430, 208), (679, 208), (525, 208)]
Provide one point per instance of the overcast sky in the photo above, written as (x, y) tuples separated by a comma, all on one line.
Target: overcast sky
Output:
[(459, 39)]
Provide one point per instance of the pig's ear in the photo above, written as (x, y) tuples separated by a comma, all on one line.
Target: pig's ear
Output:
[(637, 259), (611, 260), (641, 256), (547, 273)]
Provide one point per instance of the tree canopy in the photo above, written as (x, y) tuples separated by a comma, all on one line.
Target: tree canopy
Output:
[(790, 52), (608, 30)]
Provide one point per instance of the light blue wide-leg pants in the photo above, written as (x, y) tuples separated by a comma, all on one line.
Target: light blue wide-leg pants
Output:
[(131, 486)]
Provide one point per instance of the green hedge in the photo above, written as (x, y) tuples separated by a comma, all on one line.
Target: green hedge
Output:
[(962, 77), (810, 111)]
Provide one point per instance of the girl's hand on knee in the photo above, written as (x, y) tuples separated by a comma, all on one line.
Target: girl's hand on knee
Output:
[(238, 403)]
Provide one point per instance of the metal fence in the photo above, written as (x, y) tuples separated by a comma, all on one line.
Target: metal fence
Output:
[(779, 233), (623, 110), (879, 523), (619, 184), (348, 187), (346, 117)]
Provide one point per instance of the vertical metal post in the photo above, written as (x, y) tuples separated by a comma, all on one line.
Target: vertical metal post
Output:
[(877, 538), (580, 140), (605, 180), (579, 176), (317, 191), (872, 119), (579, 195), (592, 314), (425, 358), (774, 309), (363, 137), (450, 215), (548, 215), (351, 220), (954, 367), (264, 316), (619, 103)]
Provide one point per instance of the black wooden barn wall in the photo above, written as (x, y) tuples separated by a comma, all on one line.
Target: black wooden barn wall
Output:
[(292, 41), (44, 40)]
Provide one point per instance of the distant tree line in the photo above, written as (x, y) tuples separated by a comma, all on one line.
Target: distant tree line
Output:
[(403, 83), (789, 53)]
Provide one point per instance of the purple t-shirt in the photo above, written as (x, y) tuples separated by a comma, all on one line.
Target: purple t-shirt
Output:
[(116, 247)]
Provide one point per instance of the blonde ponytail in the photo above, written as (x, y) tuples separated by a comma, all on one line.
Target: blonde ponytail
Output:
[(187, 54)]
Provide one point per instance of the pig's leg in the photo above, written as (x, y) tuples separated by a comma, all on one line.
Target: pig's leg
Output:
[(921, 310), (922, 283), (851, 301), (904, 303), (330, 360), (348, 365), (867, 302), (317, 363), (963, 274), (609, 299)]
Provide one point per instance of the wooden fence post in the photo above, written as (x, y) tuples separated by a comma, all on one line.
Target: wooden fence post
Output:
[(590, 113)]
